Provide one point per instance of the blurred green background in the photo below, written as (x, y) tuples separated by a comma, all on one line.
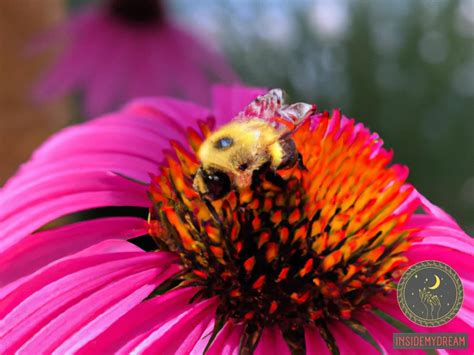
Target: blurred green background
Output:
[(404, 68)]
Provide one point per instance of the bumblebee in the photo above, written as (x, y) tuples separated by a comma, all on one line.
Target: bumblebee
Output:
[(257, 138)]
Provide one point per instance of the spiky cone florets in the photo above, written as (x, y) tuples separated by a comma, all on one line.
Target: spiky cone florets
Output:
[(299, 246)]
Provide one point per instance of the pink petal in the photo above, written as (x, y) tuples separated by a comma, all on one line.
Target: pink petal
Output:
[(116, 191), (112, 62), (68, 68), (389, 305), (182, 336), (438, 228), (437, 212), (228, 101), (315, 344), (272, 342), (442, 240), (36, 250), (461, 262), (57, 288), (140, 138), (203, 339), (227, 341), (349, 342), (141, 321), (88, 318), (383, 332), (45, 187), (105, 80), (42, 170), (173, 113)]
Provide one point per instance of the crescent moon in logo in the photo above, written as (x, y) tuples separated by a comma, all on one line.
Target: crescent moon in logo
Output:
[(436, 284)]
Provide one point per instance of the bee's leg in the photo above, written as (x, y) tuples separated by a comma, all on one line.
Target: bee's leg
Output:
[(275, 178), (300, 162), (212, 210), (258, 175)]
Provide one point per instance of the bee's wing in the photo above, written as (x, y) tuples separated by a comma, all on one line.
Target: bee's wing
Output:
[(263, 107), (271, 108), (296, 114)]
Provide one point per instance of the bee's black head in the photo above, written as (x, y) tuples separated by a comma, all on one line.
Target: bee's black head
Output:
[(217, 183)]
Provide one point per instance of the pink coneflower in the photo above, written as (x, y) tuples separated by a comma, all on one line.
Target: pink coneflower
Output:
[(307, 266), (126, 49)]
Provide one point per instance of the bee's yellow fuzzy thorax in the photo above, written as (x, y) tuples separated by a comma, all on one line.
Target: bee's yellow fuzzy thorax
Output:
[(252, 138)]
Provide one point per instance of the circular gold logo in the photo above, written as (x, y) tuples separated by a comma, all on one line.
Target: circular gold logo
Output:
[(430, 293)]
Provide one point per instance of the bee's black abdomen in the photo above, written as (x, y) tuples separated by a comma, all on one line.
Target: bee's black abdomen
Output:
[(291, 155)]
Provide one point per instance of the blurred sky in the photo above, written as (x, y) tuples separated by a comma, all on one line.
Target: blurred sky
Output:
[(404, 68)]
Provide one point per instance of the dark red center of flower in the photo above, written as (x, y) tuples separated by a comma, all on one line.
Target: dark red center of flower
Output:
[(300, 246), (137, 12)]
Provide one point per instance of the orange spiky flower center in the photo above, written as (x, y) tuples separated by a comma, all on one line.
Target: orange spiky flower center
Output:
[(299, 246)]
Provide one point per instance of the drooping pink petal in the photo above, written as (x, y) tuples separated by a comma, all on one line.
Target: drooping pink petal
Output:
[(110, 72), (36, 305), (227, 341), (315, 344), (272, 342), (112, 62), (67, 70), (36, 250)]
